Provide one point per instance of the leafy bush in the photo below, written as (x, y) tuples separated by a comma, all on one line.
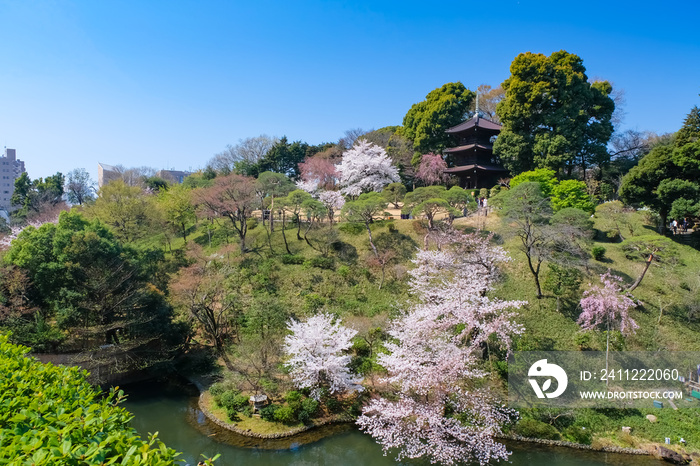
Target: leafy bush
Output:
[(285, 414), (252, 222), (598, 253), (292, 259), (268, 412), (344, 271), (351, 228), (578, 434), (217, 389), (583, 341), (52, 415), (321, 263), (536, 429), (233, 401)]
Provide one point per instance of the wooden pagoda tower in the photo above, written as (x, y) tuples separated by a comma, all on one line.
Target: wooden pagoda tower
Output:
[(472, 159)]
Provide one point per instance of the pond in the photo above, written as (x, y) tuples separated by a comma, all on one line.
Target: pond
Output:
[(172, 411)]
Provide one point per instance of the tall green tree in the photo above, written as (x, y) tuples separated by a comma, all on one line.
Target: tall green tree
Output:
[(426, 122), (80, 188), (87, 283), (552, 116), (124, 208), (177, 207), (668, 174), (690, 132), (31, 197), (283, 157)]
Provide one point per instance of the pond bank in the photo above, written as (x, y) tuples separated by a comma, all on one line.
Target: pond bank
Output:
[(205, 402), (175, 414)]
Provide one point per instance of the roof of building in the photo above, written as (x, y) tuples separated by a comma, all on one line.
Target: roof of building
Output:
[(107, 167), (477, 121), (477, 166), (467, 147)]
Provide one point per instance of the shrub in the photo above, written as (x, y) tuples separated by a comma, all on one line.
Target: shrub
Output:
[(292, 259), (285, 414), (598, 253), (344, 271), (321, 263), (578, 434), (309, 407), (583, 341), (217, 390), (252, 222), (268, 412), (536, 429), (233, 401), (52, 415), (352, 228)]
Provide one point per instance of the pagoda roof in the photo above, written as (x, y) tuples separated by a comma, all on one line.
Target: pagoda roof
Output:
[(479, 166), (467, 147), (475, 121)]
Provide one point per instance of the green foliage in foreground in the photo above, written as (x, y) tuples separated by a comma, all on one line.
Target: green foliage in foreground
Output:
[(49, 415)]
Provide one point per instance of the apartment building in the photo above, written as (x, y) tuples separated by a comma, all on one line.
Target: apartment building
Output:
[(10, 170)]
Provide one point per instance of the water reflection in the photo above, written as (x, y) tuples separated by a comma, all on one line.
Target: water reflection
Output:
[(173, 412)]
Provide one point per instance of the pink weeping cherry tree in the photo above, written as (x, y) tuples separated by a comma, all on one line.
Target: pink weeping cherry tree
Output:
[(437, 408), (432, 169), (607, 306)]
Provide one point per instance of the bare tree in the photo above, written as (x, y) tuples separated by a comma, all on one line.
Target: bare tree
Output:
[(248, 151), (350, 136)]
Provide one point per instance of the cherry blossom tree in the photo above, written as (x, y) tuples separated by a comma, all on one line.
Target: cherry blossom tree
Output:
[(366, 167), (333, 201), (232, 196), (316, 355), (607, 306), (437, 409), (50, 216), (318, 173), (432, 169)]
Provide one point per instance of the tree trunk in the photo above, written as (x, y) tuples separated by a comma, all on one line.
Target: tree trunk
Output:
[(646, 267), (371, 243), (272, 214), (299, 226), (535, 274), (284, 236)]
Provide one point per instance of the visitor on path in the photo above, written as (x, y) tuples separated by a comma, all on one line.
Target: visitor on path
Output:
[(674, 226), (685, 225)]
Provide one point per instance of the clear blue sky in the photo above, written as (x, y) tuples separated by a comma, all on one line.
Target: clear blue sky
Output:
[(168, 84)]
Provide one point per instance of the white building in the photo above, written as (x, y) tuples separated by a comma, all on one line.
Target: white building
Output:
[(10, 170)]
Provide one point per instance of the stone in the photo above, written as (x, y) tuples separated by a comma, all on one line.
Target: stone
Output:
[(626, 430), (651, 418), (672, 456)]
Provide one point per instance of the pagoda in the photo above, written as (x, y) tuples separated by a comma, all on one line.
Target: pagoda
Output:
[(472, 159)]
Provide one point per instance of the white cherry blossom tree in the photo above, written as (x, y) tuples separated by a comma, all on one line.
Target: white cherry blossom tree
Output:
[(366, 167), (438, 409), (333, 201), (317, 358)]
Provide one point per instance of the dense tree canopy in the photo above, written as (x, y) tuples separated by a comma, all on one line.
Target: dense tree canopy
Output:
[(552, 116), (668, 175), (426, 122), (83, 279)]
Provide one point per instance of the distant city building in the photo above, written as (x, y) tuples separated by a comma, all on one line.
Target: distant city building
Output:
[(133, 176), (173, 176), (10, 170), (106, 173)]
